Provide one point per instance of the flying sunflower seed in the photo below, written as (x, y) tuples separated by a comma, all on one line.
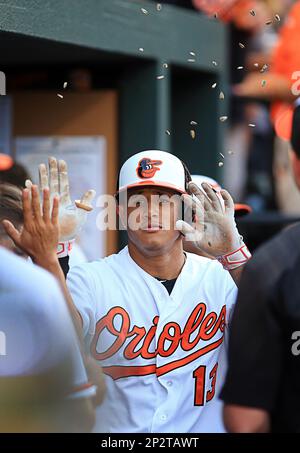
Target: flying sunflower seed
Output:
[(168, 132), (256, 65), (251, 125), (264, 68), (191, 60), (193, 123), (165, 65), (221, 164), (214, 85), (160, 77), (277, 17), (222, 155), (242, 46), (240, 67), (144, 11), (223, 118), (159, 6), (252, 12), (192, 54), (65, 85), (230, 153), (141, 49), (60, 95), (268, 22), (193, 133), (263, 83), (216, 15), (221, 96), (214, 63)]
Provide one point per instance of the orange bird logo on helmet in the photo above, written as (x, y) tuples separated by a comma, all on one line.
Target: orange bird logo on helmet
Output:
[(147, 168)]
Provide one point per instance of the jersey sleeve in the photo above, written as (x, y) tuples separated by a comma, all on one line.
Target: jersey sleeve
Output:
[(84, 295), (255, 349)]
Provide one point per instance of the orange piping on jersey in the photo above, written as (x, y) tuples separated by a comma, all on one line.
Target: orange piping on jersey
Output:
[(117, 372), (207, 325)]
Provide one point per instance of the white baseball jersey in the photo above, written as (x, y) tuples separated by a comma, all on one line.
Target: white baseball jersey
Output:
[(163, 355), (36, 325)]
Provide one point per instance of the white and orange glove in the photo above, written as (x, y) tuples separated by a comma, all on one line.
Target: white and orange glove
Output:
[(213, 230), (72, 216)]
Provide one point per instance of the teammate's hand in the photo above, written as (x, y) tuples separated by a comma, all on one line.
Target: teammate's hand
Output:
[(72, 216), (39, 235), (213, 230)]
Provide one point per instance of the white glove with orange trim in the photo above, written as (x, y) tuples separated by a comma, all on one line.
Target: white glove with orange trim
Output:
[(213, 230), (72, 216)]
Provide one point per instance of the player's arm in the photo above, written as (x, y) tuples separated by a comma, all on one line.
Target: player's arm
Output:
[(255, 351), (51, 264), (236, 274), (239, 419), (214, 231), (275, 87)]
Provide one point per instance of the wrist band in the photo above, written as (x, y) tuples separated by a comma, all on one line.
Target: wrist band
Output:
[(64, 248), (235, 259)]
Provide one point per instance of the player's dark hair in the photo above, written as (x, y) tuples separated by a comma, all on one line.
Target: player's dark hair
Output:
[(295, 138), (15, 175), (10, 205), (187, 176)]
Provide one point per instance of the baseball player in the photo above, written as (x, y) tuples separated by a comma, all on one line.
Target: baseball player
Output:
[(152, 315)]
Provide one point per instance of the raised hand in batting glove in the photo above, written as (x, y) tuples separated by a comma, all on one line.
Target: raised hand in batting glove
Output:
[(213, 230), (72, 216)]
